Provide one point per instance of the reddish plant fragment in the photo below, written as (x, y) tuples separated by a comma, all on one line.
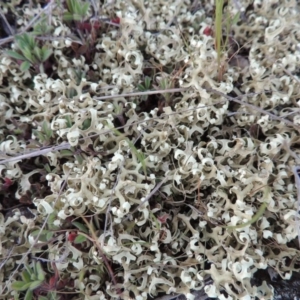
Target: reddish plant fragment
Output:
[(7, 183), (163, 219), (54, 284), (207, 31), (72, 236), (116, 20), (88, 26)]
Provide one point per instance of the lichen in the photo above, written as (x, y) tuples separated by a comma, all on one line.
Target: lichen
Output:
[(97, 201)]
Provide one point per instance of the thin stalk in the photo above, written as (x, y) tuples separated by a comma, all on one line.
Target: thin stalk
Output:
[(142, 93), (66, 145), (95, 240), (255, 218), (218, 29)]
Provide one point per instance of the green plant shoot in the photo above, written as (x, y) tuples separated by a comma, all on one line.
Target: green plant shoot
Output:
[(78, 10), (218, 28), (29, 52), (32, 278), (258, 214), (222, 46)]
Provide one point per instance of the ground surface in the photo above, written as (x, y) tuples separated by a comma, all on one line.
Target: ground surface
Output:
[(138, 161)]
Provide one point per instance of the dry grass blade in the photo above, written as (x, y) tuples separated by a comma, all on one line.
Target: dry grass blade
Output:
[(272, 116), (7, 25), (66, 145), (36, 153), (95, 240), (142, 93)]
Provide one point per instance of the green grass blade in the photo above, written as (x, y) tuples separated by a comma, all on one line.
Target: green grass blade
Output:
[(258, 214), (235, 18), (218, 28)]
